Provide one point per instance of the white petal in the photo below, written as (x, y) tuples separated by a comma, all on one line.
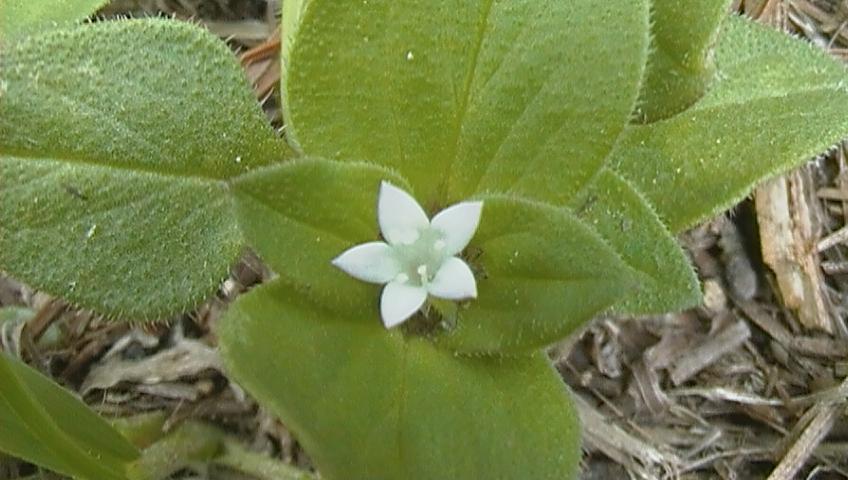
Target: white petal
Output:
[(453, 281), (372, 262), (458, 224), (401, 218), (400, 301)]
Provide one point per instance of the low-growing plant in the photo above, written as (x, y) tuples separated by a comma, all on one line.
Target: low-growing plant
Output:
[(508, 169)]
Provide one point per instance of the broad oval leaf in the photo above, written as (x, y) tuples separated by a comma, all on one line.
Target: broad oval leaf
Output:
[(540, 272), (777, 101), (413, 411), (302, 214), (541, 275), (680, 65), (665, 279), (116, 140), (465, 97), (19, 17), (44, 424)]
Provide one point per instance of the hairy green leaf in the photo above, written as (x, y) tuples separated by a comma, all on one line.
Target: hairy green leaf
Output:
[(666, 281), (301, 214), (116, 140), (411, 411), (540, 272), (44, 424), (680, 66), (465, 97), (18, 17), (777, 101)]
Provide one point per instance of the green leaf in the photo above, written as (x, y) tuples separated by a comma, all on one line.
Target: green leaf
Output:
[(411, 411), (777, 102), (465, 97), (540, 272), (541, 275), (44, 424), (116, 140), (666, 281), (18, 17), (680, 66), (302, 214)]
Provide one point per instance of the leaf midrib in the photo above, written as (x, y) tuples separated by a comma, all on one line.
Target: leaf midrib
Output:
[(465, 96), (77, 159)]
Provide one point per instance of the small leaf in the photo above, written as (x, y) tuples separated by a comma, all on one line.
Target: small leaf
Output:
[(666, 281), (680, 66), (18, 17), (466, 97), (44, 424), (541, 274), (116, 140), (302, 214), (777, 102), (412, 411)]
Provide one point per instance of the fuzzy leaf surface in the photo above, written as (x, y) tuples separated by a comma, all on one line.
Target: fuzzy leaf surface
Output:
[(302, 214), (42, 423), (413, 411), (116, 140), (776, 102), (540, 272), (680, 65), (463, 97), (19, 17), (665, 279)]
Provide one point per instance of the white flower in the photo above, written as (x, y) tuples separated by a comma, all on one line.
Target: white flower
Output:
[(419, 255)]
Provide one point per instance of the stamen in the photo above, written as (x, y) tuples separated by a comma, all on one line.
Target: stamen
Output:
[(439, 245), (422, 271)]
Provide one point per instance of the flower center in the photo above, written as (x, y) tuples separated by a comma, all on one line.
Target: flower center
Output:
[(420, 259)]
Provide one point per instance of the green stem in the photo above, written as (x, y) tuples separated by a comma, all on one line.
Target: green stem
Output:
[(195, 443), (189, 444), (237, 457), (141, 430)]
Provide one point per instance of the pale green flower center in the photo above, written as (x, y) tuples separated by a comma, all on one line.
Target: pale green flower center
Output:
[(420, 258)]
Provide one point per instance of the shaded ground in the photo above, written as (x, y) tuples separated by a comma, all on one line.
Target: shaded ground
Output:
[(750, 385)]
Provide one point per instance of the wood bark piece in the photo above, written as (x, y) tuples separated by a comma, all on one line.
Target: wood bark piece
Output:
[(639, 457), (813, 346), (788, 237), (824, 417), (710, 350)]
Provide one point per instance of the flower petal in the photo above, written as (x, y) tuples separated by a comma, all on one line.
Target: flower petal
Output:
[(372, 262), (401, 217), (453, 281), (400, 301), (458, 224)]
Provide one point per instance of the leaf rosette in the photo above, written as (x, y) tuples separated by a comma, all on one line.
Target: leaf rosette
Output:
[(587, 155)]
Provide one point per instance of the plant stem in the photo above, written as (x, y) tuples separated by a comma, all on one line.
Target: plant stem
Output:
[(237, 457), (141, 430), (190, 443), (195, 443)]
